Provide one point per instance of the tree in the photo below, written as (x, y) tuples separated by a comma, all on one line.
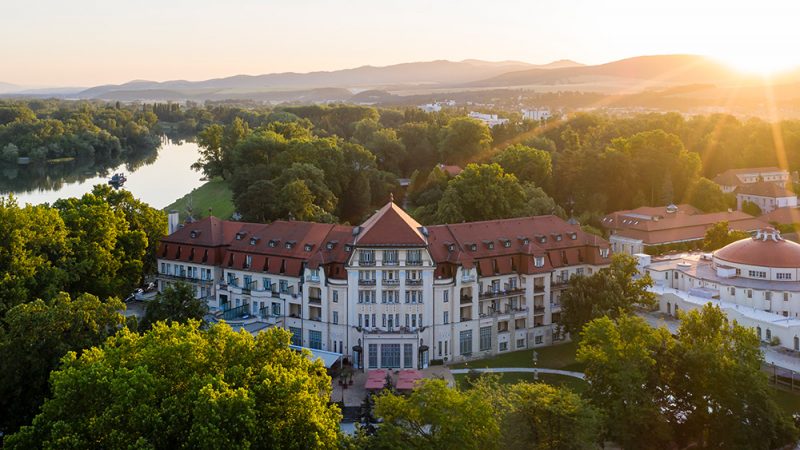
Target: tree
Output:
[(538, 203), (176, 303), (210, 142), (751, 208), (539, 416), (463, 139), (33, 253), (719, 235), (33, 338), (721, 396), (627, 367), (526, 163), (106, 256), (179, 386), (425, 419), (707, 196), (611, 291), (481, 192)]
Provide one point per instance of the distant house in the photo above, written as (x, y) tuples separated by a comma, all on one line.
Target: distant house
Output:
[(536, 114), (431, 107), (729, 180), (452, 171), (642, 230), (489, 119), (768, 195)]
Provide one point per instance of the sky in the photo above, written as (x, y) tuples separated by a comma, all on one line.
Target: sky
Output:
[(93, 42)]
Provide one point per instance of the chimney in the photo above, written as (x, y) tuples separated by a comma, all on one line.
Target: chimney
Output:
[(172, 221)]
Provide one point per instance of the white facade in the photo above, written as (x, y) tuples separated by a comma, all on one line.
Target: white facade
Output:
[(489, 119), (537, 114), (767, 204)]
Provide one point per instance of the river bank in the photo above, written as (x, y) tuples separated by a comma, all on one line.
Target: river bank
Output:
[(214, 194)]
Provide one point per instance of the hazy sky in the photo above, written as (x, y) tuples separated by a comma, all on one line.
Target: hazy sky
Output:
[(90, 42)]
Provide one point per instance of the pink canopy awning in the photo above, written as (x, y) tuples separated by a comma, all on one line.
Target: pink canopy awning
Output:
[(407, 379), (375, 383), (377, 374)]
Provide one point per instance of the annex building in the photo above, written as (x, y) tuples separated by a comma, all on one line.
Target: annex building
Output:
[(389, 293), (754, 280)]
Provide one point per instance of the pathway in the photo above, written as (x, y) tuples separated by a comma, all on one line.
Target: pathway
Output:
[(521, 370)]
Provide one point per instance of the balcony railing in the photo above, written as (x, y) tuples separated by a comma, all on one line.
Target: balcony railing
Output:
[(413, 262), (468, 278), (538, 288), (503, 293), (393, 330), (413, 282), (184, 278), (365, 282), (315, 300), (465, 299), (390, 263), (366, 263), (391, 282), (538, 309), (312, 278), (239, 312)]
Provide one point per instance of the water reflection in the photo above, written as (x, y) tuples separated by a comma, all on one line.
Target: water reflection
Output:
[(157, 176)]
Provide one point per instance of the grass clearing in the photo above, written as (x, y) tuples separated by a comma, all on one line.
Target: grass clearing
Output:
[(561, 356), (576, 385), (214, 194)]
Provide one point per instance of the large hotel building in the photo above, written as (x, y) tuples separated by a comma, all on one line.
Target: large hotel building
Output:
[(389, 293)]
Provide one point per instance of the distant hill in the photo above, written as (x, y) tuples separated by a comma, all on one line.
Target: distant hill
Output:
[(641, 71), (433, 73), (8, 87)]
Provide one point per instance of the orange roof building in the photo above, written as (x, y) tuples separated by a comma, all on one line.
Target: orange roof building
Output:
[(389, 293)]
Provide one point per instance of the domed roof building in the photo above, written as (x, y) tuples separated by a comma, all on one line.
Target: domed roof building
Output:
[(766, 249), (754, 280)]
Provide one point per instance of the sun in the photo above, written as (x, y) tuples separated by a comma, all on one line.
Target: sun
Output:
[(764, 62)]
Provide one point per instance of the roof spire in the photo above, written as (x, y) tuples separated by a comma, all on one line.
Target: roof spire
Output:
[(391, 197)]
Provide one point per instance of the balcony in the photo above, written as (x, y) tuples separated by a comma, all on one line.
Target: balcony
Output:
[(392, 282), (466, 299), (393, 330), (413, 262), (413, 282), (312, 278), (390, 263), (538, 288), (468, 278), (222, 286), (502, 293), (184, 278), (315, 300), (366, 263), (365, 282), (538, 309)]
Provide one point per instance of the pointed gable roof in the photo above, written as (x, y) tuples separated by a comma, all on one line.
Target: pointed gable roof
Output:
[(391, 226)]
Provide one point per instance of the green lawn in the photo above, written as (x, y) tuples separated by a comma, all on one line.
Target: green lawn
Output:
[(214, 194), (575, 384), (561, 356), (789, 401)]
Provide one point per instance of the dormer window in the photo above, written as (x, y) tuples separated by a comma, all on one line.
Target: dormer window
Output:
[(348, 248), (473, 247), (273, 243), (573, 236), (194, 234), (240, 235), (489, 244), (331, 244), (604, 253), (506, 242), (558, 238), (248, 261), (253, 240), (451, 247), (308, 247), (538, 261), (289, 245), (541, 239)]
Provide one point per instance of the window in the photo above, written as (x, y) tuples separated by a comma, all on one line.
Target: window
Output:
[(335, 317), (446, 317), (521, 343), (420, 319), (465, 342), (297, 336), (284, 286), (786, 296), (440, 348), (335, 296), (538, 261), (366, 257), (413, 321), (446, 296), (733, 290), (768, 295), (383, 317), (366, 320), (374, 321), (749, 293), (390, 355), (315, 339), (414, 257), (538, 340), (486, 339), (276, 309), (784, 276), (408, 355), (503, 346), (248, 261), (769, 334), (373, 356), (360, 321), (390, 257), (248, 281), (267, 283)]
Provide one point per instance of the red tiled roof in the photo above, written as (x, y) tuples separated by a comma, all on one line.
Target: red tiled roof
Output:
[(764, 189), (451, 170), (783, 216), (391, 225)]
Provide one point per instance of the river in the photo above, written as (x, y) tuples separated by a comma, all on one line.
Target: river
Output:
[(158, 178)]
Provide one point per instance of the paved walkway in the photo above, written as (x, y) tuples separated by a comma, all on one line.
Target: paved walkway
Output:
[(521, 370)]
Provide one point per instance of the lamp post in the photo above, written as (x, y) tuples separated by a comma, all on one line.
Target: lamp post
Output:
[(535, 366)]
